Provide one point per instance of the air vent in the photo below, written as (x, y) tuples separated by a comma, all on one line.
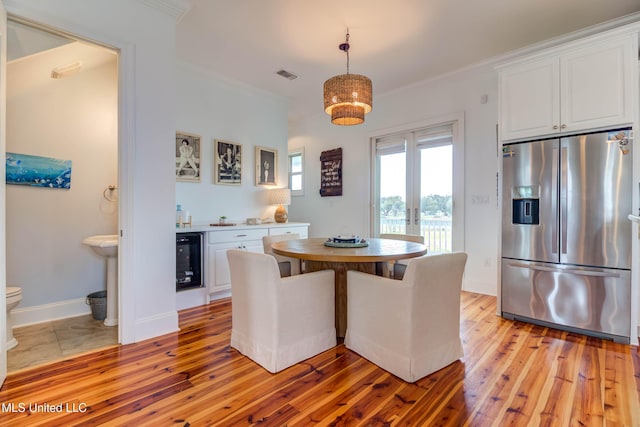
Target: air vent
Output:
[(286, 74)]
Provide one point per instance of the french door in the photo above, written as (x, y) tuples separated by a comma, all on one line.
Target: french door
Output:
[(414, 185)]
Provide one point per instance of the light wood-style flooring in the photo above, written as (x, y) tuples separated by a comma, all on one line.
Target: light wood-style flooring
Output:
[(512, 374)]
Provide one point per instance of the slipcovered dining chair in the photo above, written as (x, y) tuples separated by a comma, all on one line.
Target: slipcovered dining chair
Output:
[(288, 266), (411, 327), (396, 270), (278, 322)]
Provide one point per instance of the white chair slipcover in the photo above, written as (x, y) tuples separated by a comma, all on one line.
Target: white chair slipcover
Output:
[(411, 327), (288, 266), (276, 321), (397, 269)]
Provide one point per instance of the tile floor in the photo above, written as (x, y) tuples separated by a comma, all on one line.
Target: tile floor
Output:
[(46, 342)]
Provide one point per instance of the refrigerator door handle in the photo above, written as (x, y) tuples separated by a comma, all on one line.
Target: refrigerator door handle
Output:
[(565, 270), (564, 198), (554, 200)]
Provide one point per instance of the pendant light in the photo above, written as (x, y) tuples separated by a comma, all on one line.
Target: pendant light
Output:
[(347, 97)]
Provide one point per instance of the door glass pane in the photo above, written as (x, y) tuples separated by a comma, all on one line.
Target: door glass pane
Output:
[(392, 193), (436, 189)]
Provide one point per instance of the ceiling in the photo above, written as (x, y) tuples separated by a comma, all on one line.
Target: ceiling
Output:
[(395, 43), (33, 53)]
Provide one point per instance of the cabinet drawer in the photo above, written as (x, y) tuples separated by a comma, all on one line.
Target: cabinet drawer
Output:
[(276, 231), (236, 235)]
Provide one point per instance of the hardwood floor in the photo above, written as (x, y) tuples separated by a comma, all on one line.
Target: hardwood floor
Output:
[(512, 374)]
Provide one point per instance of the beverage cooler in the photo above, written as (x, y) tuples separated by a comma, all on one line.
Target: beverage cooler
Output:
[(188, 261)]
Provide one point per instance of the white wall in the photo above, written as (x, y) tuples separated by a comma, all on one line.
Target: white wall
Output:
[(146, 38), (217, 109), (75, 119), (455, 93)]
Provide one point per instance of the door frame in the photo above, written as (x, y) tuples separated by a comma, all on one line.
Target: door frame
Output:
[(3, 149), (126, 135), (458, 178)]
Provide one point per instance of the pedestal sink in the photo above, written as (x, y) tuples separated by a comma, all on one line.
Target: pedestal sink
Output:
[(107, 246)]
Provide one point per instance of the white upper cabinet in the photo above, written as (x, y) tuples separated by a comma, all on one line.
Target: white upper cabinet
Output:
[(530, 99), (595, 85), (579, 86)]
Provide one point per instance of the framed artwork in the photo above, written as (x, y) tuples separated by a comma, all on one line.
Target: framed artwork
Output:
[(228, 162), (266, 166), (331, 173), (187, 157), (38, 171)]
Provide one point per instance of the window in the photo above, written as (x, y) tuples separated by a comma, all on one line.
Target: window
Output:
[(296, 172)]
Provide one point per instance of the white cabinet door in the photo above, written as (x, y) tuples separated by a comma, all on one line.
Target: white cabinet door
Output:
[(218, 266), (595, 83), (529, 99), (577, 87), (219, 278), (254, 246)]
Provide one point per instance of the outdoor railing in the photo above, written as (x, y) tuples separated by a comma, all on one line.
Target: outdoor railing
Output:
[(436, 231)]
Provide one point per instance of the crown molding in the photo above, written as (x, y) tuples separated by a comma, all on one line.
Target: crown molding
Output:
[(174, 8), (625, 24)]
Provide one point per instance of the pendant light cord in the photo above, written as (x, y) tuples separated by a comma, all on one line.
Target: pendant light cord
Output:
[(345, 47)]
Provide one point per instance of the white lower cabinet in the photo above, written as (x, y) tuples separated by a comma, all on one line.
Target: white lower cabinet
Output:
[(248, 239), (219, 242)]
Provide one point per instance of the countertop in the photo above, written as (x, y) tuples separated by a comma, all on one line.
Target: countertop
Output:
[(208, 227)]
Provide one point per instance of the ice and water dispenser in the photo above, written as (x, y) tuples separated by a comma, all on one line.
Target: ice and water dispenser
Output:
[(525, 207)]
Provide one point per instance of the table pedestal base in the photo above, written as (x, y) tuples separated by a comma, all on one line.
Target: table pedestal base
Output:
[(340, 269)]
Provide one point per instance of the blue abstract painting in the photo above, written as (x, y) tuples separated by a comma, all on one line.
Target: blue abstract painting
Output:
[(37, 171)]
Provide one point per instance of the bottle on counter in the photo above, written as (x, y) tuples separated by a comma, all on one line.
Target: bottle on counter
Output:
[(179, 214)]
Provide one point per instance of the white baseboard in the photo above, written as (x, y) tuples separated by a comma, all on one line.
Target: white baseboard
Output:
[(154, 326), (191, 298), (48, 312), (479, 287), (219, 295)]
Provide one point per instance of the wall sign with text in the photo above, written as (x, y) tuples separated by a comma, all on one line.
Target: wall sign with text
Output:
[(331, 173)]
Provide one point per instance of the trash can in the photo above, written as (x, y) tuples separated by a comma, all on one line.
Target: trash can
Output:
[(98, 303)]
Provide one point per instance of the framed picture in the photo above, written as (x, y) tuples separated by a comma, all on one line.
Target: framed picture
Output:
[(228, 162), (266, 166), (38, 171), (187, 157), (331, 173)]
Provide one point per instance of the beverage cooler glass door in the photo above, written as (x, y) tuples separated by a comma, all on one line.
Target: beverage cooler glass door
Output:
[(529, 197), (188, 261)]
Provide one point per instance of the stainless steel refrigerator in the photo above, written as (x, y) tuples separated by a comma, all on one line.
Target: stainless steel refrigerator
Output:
[(566, 238)]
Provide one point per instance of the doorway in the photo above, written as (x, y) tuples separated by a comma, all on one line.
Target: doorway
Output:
[(62, 104), (414, 178)]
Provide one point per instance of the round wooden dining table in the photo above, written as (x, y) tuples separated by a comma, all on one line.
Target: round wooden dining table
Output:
[(369, 259)]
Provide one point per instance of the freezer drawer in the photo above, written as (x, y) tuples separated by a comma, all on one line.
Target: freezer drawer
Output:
[(589, 299)]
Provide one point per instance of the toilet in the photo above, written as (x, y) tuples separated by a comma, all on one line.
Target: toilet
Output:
[(14, 296)]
